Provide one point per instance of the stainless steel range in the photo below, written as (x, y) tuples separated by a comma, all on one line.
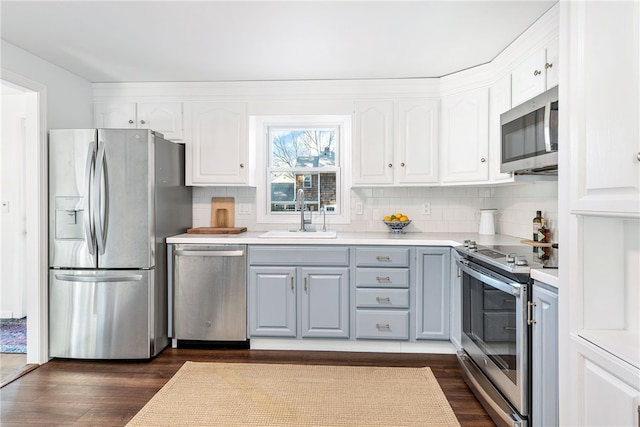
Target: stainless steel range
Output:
[(496, 333)]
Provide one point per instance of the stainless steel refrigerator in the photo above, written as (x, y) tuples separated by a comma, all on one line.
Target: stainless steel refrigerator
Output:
[(114, 196)]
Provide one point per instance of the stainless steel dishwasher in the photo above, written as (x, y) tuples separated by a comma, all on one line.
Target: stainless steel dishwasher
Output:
[(209, 292)]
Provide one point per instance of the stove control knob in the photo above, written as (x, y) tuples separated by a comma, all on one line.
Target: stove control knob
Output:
[(511, 258), (521, 261), (466, 243), (473, 245)]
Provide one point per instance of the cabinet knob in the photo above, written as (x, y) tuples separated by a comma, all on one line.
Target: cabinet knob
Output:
[(638, 157), (402, 164), (142, 122), (390, 165), (548, 65), (483, 160), (241, 165), (537, 73), (130, 122)]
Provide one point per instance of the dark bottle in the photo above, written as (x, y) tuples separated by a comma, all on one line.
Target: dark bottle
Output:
[(537, 223), (544, 234)]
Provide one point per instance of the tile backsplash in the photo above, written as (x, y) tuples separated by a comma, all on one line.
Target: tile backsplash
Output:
[(451, 209)]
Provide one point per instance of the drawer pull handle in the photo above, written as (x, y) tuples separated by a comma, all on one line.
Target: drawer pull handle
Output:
[(383, 299), (383, 258), (305, 284), (291, 282), (385, 326), (509, 328), (383, 279)]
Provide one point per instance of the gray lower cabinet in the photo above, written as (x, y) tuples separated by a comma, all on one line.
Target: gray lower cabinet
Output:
[(433, 293), (544, 353), (299, 292), (272, 301), (382, 294)]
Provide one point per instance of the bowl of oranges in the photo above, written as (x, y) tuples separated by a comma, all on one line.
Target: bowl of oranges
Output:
[(397, 222)]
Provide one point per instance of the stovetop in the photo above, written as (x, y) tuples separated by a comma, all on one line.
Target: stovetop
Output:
[(514, 259)]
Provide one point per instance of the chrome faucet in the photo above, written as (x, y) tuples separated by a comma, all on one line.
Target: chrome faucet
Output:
[(301, 207), (324, 218)]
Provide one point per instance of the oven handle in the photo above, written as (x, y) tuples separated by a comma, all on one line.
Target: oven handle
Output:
[(512, 288)]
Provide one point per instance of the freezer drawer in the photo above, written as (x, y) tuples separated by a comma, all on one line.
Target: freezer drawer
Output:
[(97, 314), (210, 292)]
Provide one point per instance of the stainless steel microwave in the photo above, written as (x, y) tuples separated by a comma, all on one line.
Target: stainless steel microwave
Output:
[(530, 136)]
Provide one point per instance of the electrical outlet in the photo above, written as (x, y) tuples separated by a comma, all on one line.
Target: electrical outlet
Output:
[(426, 209), (359, 208), (244, 209)]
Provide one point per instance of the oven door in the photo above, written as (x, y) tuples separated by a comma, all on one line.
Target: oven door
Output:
[(495, 332)]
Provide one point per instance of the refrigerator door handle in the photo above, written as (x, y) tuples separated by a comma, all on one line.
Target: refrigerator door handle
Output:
[(88, 223), (101, 199), (92, 278)]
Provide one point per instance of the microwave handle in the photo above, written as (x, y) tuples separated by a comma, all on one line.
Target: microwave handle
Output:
[(547, 127)]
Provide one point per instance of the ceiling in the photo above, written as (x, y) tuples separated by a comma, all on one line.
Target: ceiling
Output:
[(133, 41)]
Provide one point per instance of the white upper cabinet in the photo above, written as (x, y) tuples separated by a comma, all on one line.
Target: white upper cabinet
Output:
[(604, 108), (373, 143), (499, 102), (218, 152), (535, 74), (417, 142), (395, 142), (164, 117), (465, 137)]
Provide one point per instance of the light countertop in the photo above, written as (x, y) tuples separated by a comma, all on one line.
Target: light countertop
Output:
[(546, 275), (346, 238)]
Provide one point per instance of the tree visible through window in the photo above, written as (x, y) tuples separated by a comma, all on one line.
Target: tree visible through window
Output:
[(303, 158)]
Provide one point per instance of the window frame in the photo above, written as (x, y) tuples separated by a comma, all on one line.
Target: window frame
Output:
[(259, 130)]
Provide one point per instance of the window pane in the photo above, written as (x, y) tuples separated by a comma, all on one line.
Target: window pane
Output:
[(294, 148), (321, 191)]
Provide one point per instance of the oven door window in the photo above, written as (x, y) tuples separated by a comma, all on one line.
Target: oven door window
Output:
[(489, 320)]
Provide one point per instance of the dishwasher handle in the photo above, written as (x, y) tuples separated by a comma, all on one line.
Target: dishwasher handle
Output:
[(185, 252)]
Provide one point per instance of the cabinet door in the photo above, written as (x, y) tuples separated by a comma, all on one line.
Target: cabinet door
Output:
[(465, 137), (218, 151), (607, 390), (325, 302), (272, 301), (545, 357), (416, 153), (373, 143), (432, 293), (603, 107), (528, 79), (115, 115), (499, 102), (552, 64), (165, 118)]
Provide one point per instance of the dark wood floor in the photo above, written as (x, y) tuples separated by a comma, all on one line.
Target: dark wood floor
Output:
[(90, 393)]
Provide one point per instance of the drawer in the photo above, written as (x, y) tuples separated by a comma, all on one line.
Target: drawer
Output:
[(382, 277), (382, 324), (382, 257), (299, 255), (382, 298)]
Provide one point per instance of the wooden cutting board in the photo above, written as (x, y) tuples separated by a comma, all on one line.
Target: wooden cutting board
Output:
[(222, 212), (217, 230)]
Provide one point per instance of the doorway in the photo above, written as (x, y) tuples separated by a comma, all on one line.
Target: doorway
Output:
[(23, 251)]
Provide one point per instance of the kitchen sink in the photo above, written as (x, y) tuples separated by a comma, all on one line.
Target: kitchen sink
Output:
[(295, 234)]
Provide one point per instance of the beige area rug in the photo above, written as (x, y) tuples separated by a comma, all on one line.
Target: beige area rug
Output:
[(247, 394)]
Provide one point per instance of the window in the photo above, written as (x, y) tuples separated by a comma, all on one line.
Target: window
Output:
[(302, 153)]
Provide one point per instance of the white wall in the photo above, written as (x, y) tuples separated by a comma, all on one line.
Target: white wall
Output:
[(69, 97), (453, 209)]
